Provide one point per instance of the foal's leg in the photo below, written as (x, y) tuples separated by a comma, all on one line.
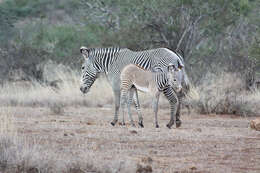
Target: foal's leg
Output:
[(130, 99), (137, 107), (124, 93)]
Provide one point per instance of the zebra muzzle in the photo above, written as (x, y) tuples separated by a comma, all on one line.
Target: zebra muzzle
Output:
[(83, 89)]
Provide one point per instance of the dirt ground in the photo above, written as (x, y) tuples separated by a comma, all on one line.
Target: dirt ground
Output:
[(204, 143)]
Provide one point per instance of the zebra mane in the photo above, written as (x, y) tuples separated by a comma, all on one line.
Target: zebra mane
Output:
[(104, 50), (179, 55)]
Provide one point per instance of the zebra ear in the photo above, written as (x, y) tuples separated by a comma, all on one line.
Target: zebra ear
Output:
[(180, 64), (84, 51)]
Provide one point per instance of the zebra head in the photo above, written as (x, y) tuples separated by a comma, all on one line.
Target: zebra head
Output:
[(84, 51), (88, 76), (175, 77)]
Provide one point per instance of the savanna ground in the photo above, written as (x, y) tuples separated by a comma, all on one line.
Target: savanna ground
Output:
[(48, 129), (81, 139)]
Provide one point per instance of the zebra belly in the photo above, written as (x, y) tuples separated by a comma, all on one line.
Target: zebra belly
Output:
[(141, 88)]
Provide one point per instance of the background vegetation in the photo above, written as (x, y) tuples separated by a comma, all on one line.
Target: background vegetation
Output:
[(214, 36)]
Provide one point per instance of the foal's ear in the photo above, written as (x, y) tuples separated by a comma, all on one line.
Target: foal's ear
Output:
[(84, 51)]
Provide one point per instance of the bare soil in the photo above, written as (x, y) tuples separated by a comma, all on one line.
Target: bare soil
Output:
[(204, 143)]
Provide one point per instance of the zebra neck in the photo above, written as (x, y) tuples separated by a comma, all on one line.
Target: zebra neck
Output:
[(103, 57), (161, 80)]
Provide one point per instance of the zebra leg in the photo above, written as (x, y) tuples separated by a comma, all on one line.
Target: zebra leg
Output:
[(123, 115), (155, 108), (178, 121), (123, 103), (130, 99), (117, 105), (173, 99), (137, 107)]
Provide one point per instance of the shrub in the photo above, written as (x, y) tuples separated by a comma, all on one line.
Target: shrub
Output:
[(225, 93)]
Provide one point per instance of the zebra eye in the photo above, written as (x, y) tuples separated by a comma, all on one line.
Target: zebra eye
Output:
[(174, 80), (82, 68)]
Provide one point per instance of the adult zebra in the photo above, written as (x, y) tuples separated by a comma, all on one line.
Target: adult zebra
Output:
[(111, 61)]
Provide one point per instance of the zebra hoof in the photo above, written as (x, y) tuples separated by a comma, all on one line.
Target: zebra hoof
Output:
[(141, 124), (157, 126), (113, 123), (178, 124), (169, 126)]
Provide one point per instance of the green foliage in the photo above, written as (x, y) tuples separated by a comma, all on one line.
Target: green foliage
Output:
[(211, 33), (62, 42)]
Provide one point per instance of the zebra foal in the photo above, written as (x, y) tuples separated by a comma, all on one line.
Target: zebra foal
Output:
[(154, 83)]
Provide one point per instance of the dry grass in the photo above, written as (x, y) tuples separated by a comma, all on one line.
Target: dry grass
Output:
[(225, 94), (27, 155), (20, 152), (24, 93), (218, 93), (6, 122)]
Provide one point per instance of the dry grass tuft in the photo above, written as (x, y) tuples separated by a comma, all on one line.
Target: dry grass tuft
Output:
[(6, 122), (57, 108), (65, 92), (23, 155), (225, 94), (144, 169)]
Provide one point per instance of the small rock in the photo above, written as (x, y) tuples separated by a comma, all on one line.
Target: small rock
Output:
[(193, 168), (153, 152), (255, 124), (133, 131), (76, 170), (144, 169), (89, 123), (147, 160), (32, 170), (198, 130), (65, 134)]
